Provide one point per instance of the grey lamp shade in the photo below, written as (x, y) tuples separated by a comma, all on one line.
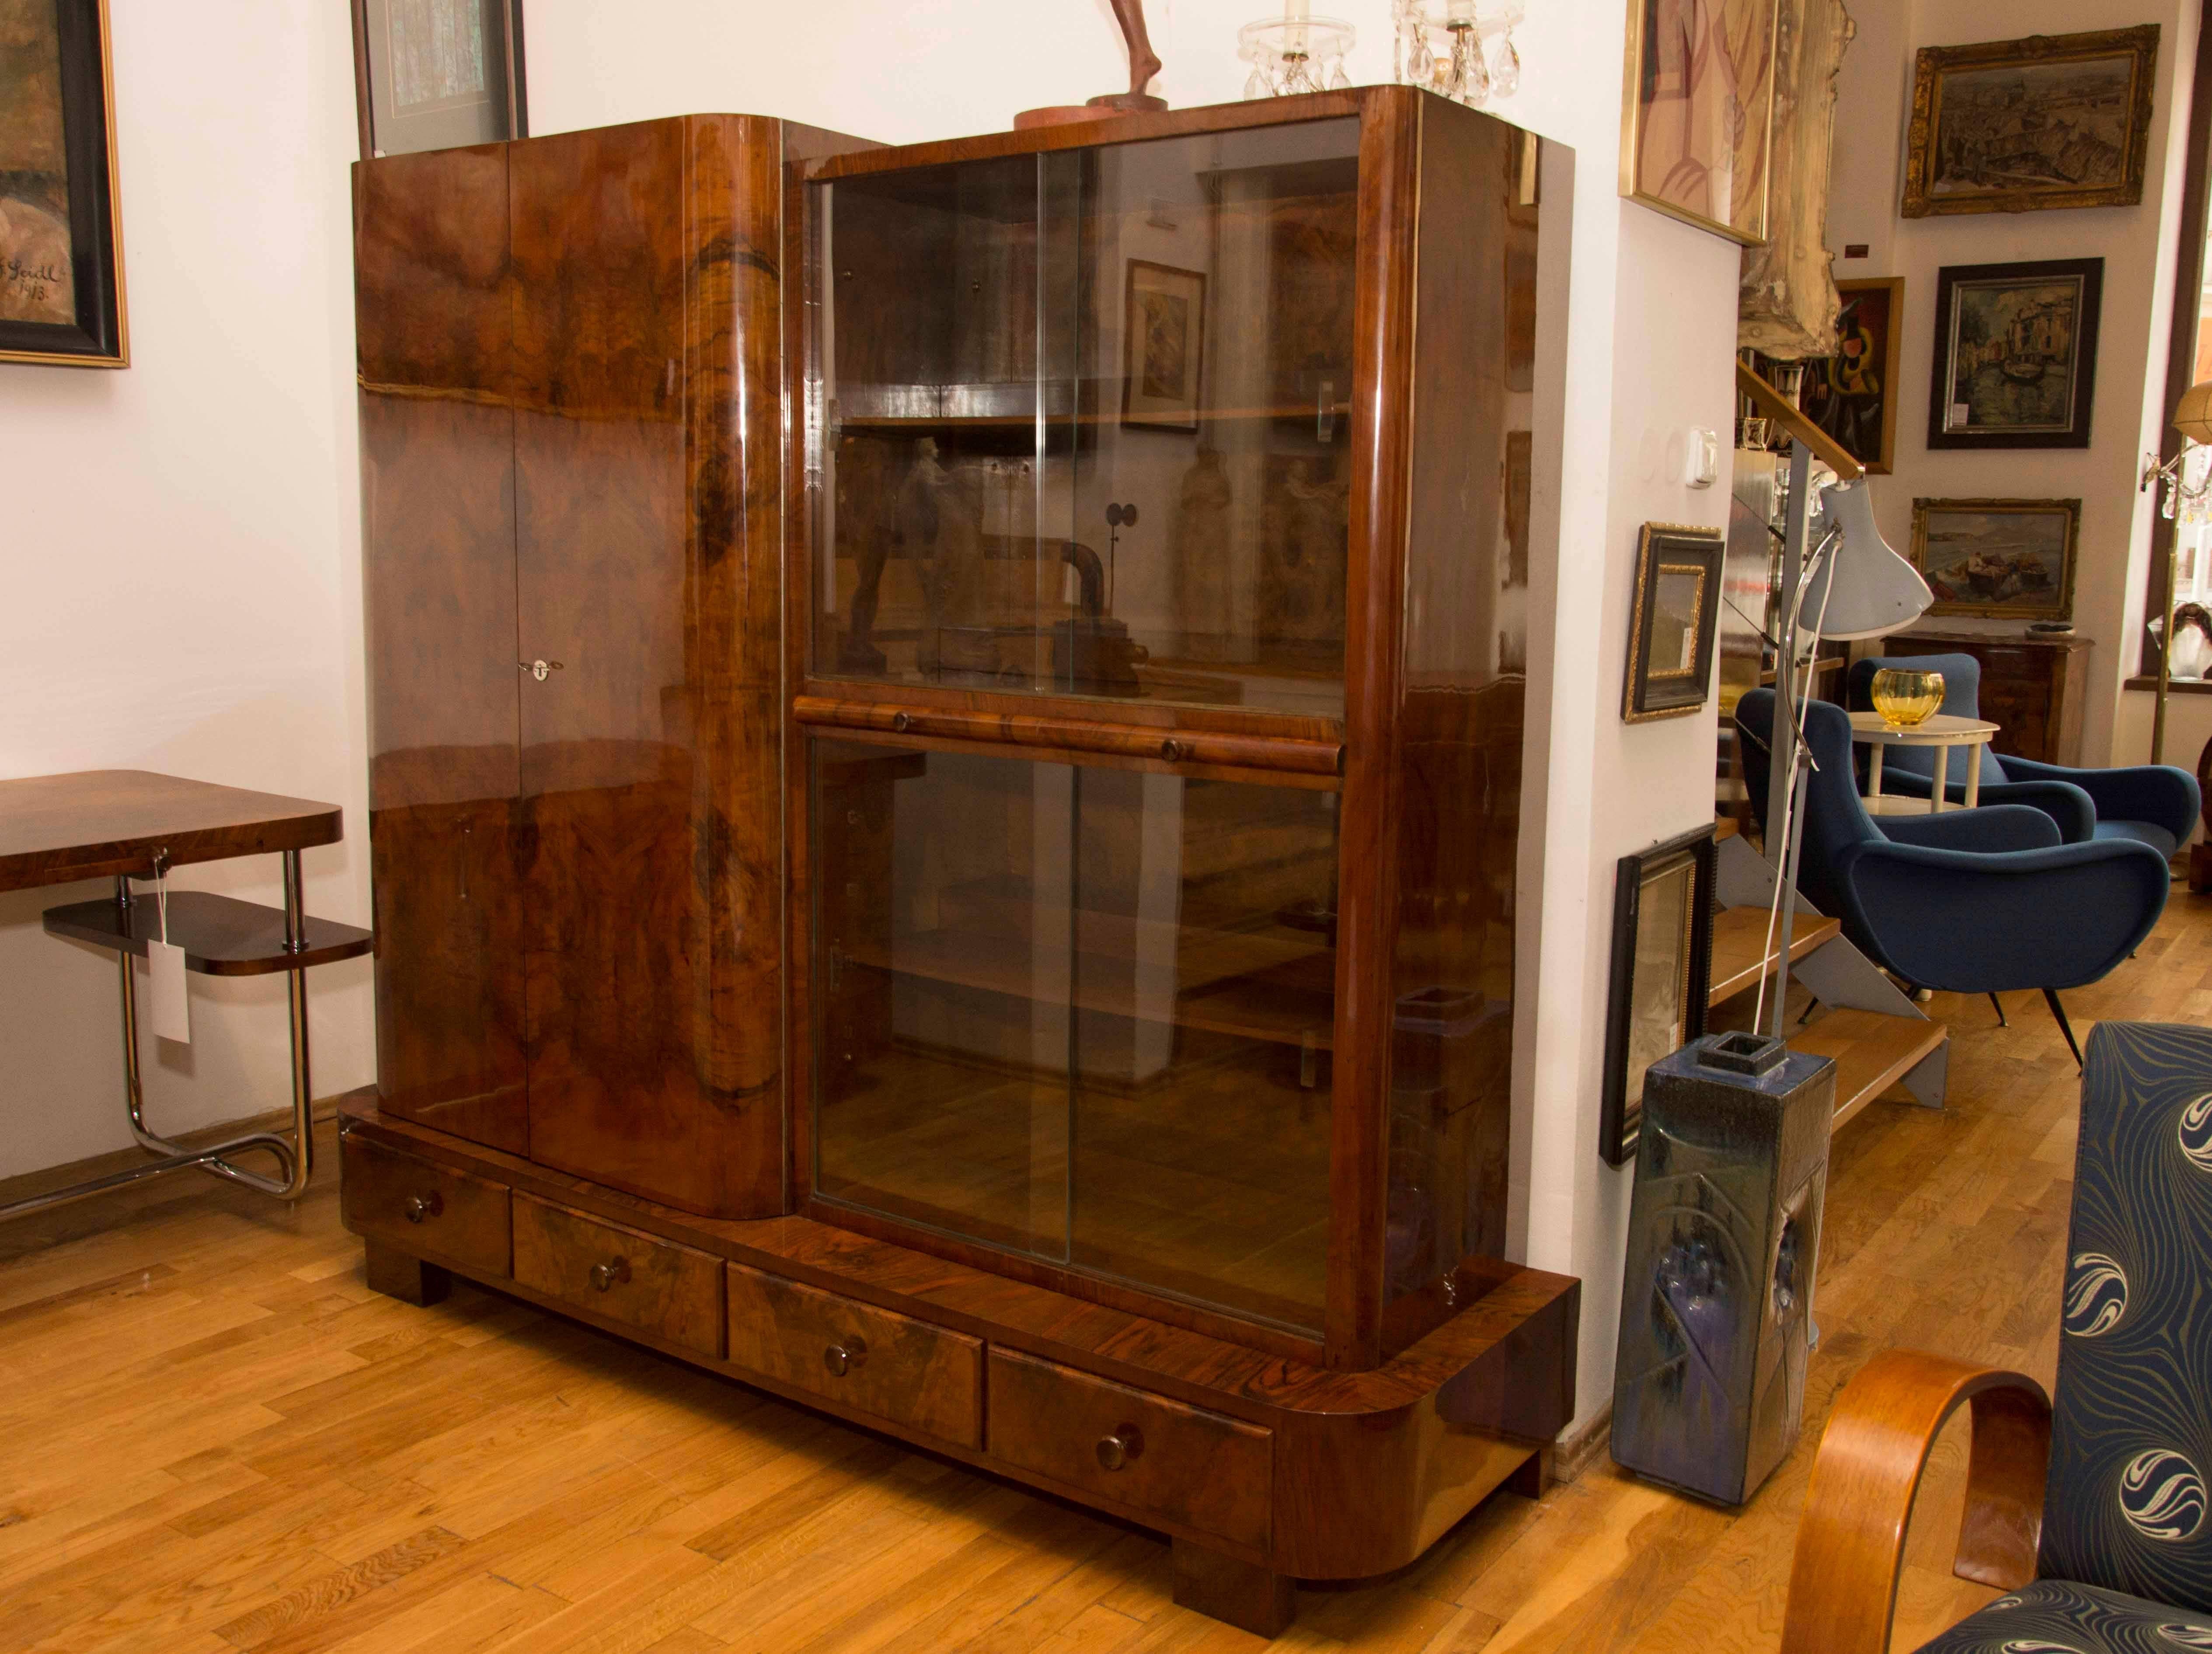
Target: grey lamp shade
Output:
[(1862, 588)]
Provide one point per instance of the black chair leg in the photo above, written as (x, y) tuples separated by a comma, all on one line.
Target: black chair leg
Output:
[(2003, 1021), (2051, 997)]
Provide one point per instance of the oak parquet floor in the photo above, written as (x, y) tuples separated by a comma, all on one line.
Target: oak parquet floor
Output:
[(216, 1439)]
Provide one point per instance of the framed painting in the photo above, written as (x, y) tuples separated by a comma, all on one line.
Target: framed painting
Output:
[(1697, 111), (1163, 347), (1663, 945), (1672, 620), (2058, 121), (1852, 395), (61, 254), (2000, 559), (437, 74), (2015, 359)]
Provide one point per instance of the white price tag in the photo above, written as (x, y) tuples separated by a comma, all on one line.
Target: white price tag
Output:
[(1962, 415), (165, 961)]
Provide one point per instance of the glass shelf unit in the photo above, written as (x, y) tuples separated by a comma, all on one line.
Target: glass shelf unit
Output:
[(1158, 560)]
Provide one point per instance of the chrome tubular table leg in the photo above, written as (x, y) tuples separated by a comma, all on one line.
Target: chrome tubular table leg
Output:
[(294, 1157)]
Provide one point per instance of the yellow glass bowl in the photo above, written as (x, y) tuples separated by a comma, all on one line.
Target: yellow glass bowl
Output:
[(1904, 697)]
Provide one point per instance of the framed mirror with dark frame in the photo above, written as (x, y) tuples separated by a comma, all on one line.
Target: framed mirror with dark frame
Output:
[(437, 74), (1672, 621), (1663, 948)]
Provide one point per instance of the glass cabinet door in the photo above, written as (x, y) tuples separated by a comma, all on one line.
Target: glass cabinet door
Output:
[(1081, 1012), (1079, 420)]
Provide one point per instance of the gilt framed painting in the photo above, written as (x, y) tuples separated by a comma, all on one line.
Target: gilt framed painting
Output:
[(1672, 621), (2015, 357), (61, 254), (1998, 559), (1697, 111), (1853, 394), (1163, 347), (2054, 120)]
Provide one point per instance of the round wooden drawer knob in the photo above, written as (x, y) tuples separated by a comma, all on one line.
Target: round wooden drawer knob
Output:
[(605, 1276), (1175, 751), (1126, 1443), (902, 721), (841, 1359), (425, 1206)]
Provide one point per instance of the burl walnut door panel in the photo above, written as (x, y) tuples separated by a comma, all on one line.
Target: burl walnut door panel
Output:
[(621, 873), (437, 436)]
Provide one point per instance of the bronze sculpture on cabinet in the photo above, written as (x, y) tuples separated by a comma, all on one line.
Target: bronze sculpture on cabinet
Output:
[(959, 1039)]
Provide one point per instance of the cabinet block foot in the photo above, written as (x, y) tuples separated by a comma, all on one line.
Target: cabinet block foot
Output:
[(1243, 1594), (1534, 1479), (400, 1276)]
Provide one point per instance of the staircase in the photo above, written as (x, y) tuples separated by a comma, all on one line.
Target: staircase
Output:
[(1878, 1037)]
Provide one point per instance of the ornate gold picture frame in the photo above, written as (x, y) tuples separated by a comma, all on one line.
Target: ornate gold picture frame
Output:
[(1999, 559), (2028, 126), (1672, 621)]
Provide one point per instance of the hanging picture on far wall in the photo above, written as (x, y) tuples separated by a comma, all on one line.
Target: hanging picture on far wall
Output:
[(1163, 347), (1699, 112), (61, 263), (2016, 355), (2022, 125), (1999, 559), (1852, 395), (437, 74)]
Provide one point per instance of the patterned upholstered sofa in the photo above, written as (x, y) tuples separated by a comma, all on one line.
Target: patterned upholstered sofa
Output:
[(2093, 1517)]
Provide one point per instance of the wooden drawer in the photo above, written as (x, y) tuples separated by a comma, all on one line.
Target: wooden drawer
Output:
[(1206, 1472), (889, 1365), (422, 1208), (670, 1292)]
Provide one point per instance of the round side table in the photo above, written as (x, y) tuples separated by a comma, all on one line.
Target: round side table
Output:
[(1939, 732)]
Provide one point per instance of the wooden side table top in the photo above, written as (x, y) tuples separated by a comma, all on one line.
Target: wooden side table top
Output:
[(1941, 730), (102, 822)]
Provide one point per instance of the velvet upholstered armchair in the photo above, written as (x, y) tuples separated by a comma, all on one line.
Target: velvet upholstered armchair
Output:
[(2091, 1517), (1984, 900), (2154, 803)]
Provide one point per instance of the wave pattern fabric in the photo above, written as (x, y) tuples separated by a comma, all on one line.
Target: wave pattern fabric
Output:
[(2053, 1617), (2127, 1506)]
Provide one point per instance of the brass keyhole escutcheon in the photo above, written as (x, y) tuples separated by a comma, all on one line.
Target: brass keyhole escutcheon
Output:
[(541, 669), (425, 1206), (1126, 1444), (841, 1359), (605, 1276)]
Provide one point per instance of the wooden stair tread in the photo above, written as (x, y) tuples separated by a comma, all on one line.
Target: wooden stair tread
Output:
[(1739, 938), (1873, 1052)]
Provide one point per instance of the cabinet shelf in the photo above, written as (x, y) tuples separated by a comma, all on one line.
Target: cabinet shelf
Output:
[(923, 424), (1249, 986)]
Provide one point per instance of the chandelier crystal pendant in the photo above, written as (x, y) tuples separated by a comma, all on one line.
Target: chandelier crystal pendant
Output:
[(1295, 52), (1460, 49)]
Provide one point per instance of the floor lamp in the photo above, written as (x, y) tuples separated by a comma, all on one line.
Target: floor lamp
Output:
[(1847, 584), (2192, 419)]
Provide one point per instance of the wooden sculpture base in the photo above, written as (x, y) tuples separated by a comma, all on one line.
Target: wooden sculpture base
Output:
[(1261, 1470), (1100, 108)]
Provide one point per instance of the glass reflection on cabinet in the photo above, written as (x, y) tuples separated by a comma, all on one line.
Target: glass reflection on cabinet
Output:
[(1081, 1012), (1081, 420)]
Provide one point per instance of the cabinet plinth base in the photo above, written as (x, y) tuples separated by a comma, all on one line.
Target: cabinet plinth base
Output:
[(1260, 1470), (1244, 1593), (409, 1279)]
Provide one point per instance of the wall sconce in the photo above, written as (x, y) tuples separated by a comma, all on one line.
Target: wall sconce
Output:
[(2188, 475)]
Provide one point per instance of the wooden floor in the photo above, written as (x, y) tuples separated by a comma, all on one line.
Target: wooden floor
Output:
[(216, 1438)]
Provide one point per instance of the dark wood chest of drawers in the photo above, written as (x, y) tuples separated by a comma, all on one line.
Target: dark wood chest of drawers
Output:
[(2033, 687)]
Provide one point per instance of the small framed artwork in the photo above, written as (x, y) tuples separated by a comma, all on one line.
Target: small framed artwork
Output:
[(437, 74), (1163, 347), (1663, 945), (1697, 111), (2001, 559), (1852, 395), (1671, 623), (61, 254), (2054, 120), (2015, 361)]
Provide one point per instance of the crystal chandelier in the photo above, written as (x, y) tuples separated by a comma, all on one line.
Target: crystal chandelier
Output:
[(1453, 47), (1295, 52)]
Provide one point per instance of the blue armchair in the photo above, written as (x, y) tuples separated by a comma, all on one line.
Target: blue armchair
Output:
[(2093, 1518), (1982, 901), (2154, 803)]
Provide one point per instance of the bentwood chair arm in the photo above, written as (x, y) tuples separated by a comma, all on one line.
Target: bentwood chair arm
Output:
[(1850, 1542)]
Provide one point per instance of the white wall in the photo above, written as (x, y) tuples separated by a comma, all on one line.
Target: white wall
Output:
[(2138, 245), (181, 561), (1637, 333)]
